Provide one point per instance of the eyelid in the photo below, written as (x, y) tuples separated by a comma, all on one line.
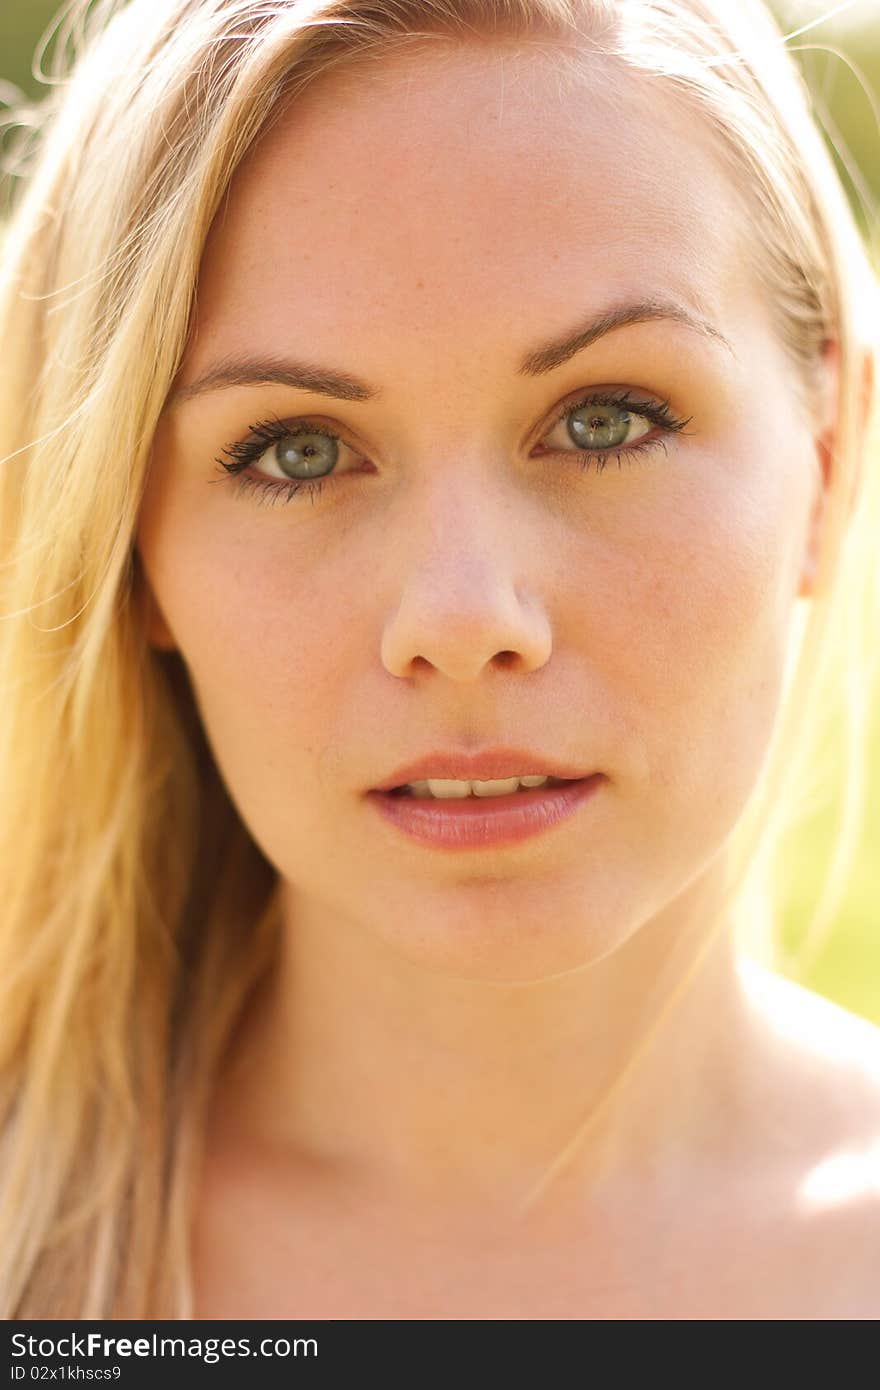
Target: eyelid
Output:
[(273, 427), (296, 423), (625, 397), (618, 394), (245, 453), (566, 403), (269, 431)]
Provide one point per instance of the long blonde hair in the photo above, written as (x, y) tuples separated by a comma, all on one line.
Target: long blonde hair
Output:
[(137, 910)]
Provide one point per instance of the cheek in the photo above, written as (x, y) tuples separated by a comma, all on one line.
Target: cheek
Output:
[(273, 631), (708, 598)]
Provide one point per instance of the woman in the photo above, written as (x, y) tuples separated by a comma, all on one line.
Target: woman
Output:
[(385, 812)]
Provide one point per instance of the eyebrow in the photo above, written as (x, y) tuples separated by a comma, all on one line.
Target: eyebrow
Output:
[(343, 386)]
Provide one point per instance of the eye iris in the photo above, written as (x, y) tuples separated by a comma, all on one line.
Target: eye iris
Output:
[(601, 426), (312, 458)]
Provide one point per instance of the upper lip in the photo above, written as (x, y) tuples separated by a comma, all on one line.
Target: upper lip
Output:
[(489, 765)]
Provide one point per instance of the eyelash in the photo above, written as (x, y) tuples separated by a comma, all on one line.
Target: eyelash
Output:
[(244, 452)]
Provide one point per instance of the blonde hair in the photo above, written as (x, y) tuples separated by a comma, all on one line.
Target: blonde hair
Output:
[(137, 910)]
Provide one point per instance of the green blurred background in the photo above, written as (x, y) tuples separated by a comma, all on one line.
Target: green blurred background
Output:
[(840, 58)]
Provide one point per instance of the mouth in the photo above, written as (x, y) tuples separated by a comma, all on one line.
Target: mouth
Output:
[(448, 773), (467, 789), (469, 818)]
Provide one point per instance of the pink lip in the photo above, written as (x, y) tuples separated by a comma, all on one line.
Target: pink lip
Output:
[(486, 766), (484, 822)]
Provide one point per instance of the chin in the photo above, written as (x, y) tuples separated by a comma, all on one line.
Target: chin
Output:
[(503, 931)]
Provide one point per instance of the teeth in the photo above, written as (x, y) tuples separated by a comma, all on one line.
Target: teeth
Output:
[(446, 788), (440, 787), (499, 788)]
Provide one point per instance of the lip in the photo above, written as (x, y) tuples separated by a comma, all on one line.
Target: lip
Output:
[(474, 823), (489, 765)]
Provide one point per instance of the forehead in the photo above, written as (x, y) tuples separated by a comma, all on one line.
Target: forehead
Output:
[(451, 186)]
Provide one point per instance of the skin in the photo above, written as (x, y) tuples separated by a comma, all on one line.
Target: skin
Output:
[(440, 1024)]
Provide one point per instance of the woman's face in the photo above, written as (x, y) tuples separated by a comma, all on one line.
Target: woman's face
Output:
[(461, 581)]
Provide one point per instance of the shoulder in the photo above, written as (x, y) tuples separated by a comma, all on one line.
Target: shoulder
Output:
[(834, 1052), (818, 1068), (822, 1061)]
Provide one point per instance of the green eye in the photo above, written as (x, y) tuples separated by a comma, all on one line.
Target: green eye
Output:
[(601, 426), (597, 424), (313, 457)]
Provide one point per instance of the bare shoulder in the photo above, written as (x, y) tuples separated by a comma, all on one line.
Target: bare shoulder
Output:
[(819, 1045), (818, 1068)]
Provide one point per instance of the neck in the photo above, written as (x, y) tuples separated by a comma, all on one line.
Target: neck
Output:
[(463, 1093)]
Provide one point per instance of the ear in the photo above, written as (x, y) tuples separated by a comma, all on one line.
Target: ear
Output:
[(866, 403), (826, 451), (824, 443)]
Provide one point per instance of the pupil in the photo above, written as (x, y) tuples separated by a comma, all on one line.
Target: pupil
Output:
[(600, 427), (314, 458)]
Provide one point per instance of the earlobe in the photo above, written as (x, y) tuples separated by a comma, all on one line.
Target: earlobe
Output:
[(825, 440), (868, 385), (866, 402), (808, 587), (826, 445)]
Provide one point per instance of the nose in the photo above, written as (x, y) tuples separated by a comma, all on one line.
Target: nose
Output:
[(465, 593)]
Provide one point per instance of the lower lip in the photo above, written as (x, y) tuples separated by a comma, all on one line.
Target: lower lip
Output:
[(484, 822)]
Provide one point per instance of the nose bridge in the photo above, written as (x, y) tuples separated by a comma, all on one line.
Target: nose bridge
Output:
[(464, 508), (465, 595)]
